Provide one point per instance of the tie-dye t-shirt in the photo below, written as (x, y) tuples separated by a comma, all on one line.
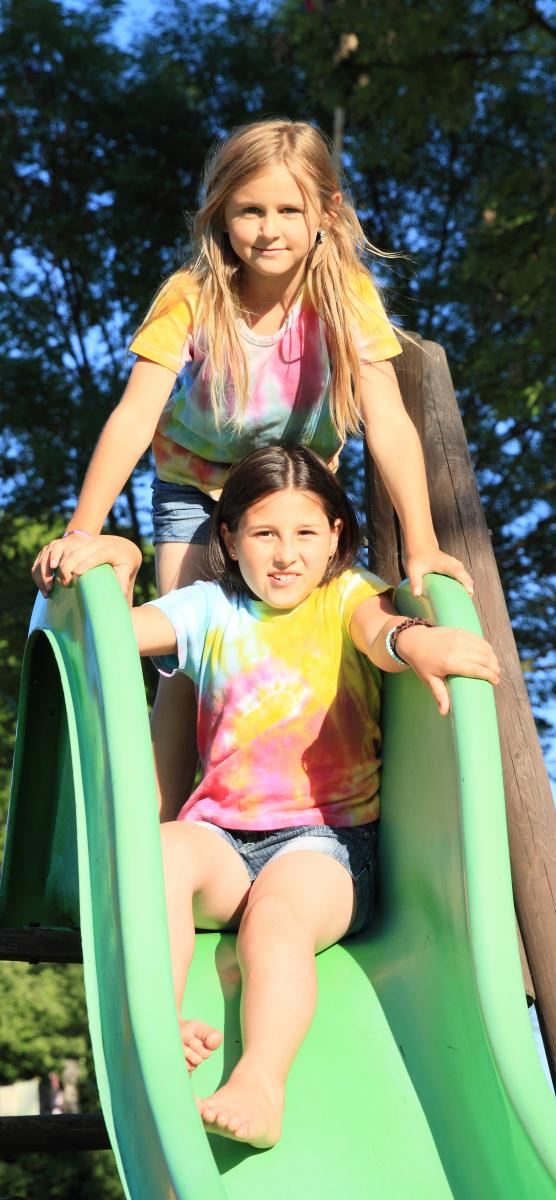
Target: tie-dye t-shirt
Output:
[(288, 708), (289, 380)]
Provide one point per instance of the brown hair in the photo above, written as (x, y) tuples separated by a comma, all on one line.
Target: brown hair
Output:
[(335, 267), (273, 469)]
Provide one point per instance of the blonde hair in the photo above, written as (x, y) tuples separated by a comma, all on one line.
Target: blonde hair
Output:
[(334, 266)]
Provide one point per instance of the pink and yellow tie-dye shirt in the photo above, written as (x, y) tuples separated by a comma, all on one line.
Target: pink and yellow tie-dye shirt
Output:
[(289, 378), (288, 708)]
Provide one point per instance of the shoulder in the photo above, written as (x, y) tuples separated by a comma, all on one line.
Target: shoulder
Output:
[(376, 336), (363, 284), (198, 599), (364, 293), (359, 577), (356, 585), (164, 335), (181, 291)]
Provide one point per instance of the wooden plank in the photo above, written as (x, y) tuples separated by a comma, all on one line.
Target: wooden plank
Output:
[(527, 979), (383, 530), (50, 1135), (35, 945), (385, 542)]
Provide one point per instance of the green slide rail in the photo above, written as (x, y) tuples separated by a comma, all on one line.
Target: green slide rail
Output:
[(419, 1077)]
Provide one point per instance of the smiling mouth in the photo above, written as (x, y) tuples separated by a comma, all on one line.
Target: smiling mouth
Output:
[(283, 577)]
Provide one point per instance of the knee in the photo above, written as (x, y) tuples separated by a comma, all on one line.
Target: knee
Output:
[(269, 913)]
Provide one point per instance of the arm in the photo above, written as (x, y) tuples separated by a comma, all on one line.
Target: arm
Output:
[(154, 631), (394, 444), (125, 437), (431, 653)]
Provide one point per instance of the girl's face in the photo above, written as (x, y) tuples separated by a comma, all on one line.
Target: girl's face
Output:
[(270, 224), (282, 546)]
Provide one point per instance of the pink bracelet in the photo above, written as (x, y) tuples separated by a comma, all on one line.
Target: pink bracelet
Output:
[(69, 532)]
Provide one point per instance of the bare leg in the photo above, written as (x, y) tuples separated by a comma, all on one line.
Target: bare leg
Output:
[(300, 903), (206, 884), (174, 713)]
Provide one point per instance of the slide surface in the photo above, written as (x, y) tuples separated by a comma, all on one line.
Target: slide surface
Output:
[(419, 1077)]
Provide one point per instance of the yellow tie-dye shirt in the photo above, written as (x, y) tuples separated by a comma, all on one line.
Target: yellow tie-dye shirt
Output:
[(288, 708)]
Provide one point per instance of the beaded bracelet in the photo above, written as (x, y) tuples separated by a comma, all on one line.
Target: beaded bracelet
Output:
[(69, 532), (394, 633)]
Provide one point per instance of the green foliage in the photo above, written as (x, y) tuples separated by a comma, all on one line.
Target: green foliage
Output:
[(86, 1176), (43, 1022), (43, 1019)]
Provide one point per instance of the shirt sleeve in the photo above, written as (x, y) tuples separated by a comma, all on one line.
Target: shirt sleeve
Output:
[(376, 336), (189, 611), (166, 334), (358, 585)]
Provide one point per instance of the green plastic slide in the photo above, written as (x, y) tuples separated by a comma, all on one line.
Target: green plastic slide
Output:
[(419, 1079)]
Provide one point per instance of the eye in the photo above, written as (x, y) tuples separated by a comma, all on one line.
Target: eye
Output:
[(290, 209), (251, 208), (264, 533), (307, 532)]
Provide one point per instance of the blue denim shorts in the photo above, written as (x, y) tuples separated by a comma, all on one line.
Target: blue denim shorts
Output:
[(355, 848), (181, 513)]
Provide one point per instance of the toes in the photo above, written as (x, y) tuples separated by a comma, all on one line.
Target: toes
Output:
[(224, 1119), (199, 1040), (197, 1047), (221, 1119), (199, 1036), (212, 1039), (192, 1059)]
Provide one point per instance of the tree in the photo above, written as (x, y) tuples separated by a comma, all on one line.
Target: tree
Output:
[(448, 132), (89, 138)]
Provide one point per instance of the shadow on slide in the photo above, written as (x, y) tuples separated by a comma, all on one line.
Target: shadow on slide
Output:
[(419, 1077)]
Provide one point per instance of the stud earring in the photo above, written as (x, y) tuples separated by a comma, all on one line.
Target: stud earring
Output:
[(320, 237)]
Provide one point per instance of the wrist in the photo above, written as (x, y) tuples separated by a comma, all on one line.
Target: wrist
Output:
[(399, 639), (422, 546)]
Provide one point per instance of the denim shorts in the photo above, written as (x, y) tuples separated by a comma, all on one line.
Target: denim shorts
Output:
[(355, 848), (181, 513)]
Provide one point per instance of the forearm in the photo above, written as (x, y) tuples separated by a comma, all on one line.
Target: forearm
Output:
[(122, 442), (398, 455), (373, 640), (377, 651), (128, 584)]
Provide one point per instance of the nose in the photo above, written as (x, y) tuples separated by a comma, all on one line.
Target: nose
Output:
[(267, 227), (284, 553)]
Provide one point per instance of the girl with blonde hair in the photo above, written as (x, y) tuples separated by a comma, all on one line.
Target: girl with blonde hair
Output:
[(273, 333)]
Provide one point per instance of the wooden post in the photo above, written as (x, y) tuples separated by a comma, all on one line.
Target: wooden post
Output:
[(34, 945), (462, 530), (53, 1134)]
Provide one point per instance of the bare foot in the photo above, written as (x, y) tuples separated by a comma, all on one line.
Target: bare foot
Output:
[(199, 1040), (248, 1109)]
